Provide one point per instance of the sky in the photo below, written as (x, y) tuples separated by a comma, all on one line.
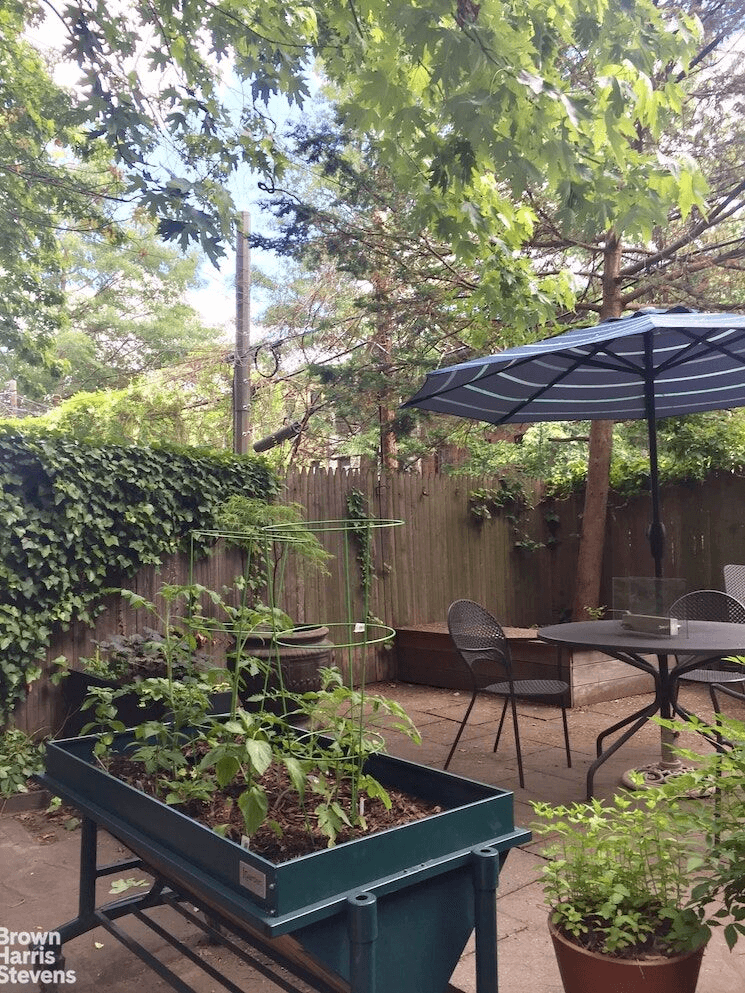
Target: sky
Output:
[(218, 296)]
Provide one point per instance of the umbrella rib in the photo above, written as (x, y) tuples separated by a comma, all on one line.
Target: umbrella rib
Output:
[(542, 389), (694, 339)]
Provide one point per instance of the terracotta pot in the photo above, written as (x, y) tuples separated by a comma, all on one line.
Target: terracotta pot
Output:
[(583, 971)]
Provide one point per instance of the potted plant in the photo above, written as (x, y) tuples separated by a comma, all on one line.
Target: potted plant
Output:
[(295, 653), (116, 662), (634, 886), (21, 758), (110, 679)]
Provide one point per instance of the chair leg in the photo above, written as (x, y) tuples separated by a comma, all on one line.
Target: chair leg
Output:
[(517, 744), (460, 730), (566, 735), (501, 724), (715, 707), (507, 700)]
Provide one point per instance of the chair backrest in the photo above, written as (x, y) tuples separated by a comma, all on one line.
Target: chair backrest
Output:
[(478, 637), (734, 581), (708, 605)]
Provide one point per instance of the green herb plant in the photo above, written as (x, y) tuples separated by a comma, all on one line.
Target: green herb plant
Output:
[(718, 869), (618, 879), (657, 869)]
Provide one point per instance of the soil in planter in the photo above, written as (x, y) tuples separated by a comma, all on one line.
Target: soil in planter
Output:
[(286, 832)]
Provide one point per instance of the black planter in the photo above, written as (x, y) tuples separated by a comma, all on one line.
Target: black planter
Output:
[(75, 688)]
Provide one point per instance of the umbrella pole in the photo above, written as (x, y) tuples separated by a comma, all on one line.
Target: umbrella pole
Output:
[(656, 528)]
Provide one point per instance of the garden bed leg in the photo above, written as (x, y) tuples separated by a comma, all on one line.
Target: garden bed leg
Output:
[(363, 934), (486, 863)]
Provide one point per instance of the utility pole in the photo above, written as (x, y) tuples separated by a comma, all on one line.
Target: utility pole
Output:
[(242, 365)]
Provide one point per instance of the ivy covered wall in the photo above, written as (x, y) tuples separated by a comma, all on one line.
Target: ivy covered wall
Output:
[(77, 519)]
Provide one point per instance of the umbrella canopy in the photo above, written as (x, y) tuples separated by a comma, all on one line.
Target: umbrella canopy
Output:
[(651, 365)]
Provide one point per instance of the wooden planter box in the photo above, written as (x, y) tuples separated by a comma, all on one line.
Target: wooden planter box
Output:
[(426, 655)]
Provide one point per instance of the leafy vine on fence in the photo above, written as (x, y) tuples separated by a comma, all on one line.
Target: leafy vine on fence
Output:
[(359, 515), (77, 519), (510, 499)]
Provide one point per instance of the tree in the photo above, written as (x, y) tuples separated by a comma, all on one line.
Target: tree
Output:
[(124, 313), (471, 107), (374, 302), (42, 190), (689, 259), (628, 232), (188, 404), (127, 308), (462, 98)]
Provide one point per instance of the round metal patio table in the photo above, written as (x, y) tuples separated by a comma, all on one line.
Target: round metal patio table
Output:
[(702, 639)]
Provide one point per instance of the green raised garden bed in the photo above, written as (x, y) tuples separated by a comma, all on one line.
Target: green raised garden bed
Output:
[(388, 913)]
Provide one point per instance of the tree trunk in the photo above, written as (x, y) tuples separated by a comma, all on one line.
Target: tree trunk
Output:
[(592, 537)]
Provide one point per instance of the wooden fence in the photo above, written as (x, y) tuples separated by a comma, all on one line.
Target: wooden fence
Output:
[(440, 552)]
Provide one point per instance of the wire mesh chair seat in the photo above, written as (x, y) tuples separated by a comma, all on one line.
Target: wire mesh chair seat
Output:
[(484, 649), (710, 605)]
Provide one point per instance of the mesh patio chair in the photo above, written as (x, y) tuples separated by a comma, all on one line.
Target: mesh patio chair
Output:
[(710, 605), (485, 652), (734, 584), (734, 581)]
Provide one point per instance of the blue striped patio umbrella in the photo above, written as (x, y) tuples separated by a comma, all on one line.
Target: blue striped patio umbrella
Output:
[(654, 364)]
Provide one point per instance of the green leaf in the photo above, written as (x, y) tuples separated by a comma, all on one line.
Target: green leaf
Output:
[(253, 805), (226, 769), (260, 754)]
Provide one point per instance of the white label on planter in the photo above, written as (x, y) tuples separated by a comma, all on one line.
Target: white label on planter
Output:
[(359, 628), (253, 879)]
